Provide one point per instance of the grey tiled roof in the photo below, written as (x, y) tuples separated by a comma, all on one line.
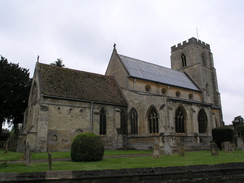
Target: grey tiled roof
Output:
[(78, 85), (152, 72)]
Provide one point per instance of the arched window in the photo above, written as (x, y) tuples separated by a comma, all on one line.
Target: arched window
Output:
[(202, 121), (203, 59), (103, 123), (153, 120), (133, 121), (123, 122), (183, 60), (179, 121)]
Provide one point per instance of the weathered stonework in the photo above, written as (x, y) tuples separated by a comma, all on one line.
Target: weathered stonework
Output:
[(138, 111)]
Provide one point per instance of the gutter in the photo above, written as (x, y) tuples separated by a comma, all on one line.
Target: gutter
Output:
[(83, 100)]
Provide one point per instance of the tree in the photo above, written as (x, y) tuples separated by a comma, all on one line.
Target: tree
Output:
[(58, 63), (14, 91), (238, 124)]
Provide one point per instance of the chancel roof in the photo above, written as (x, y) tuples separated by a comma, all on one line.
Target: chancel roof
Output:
[(152, 72), (79, 85)]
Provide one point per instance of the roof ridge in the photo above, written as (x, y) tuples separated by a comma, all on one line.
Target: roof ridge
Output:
[(76, 70), (148, 62)]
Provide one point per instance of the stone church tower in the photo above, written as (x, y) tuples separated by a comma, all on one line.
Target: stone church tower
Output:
[(194, 57)]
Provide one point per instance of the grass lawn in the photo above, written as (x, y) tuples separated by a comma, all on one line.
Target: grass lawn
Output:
[(14, 156), (191, 158)]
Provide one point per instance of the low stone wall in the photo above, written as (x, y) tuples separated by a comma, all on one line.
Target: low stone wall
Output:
[(230, 172)]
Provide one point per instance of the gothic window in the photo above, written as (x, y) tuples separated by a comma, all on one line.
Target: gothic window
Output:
[(202, 121), (153, 120), (203, 59), (183, 60), (103, 122), (133, 121), (179, 121), (123, 122)]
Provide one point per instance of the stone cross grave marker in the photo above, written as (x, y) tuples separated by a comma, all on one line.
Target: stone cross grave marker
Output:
[(181, 149), (214, 149), (167, 149), (156, 151)]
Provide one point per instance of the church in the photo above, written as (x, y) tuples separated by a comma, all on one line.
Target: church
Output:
[(134, 105)]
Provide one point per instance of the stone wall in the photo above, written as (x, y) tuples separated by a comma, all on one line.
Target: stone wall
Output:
[(224, 173), (59, 121)]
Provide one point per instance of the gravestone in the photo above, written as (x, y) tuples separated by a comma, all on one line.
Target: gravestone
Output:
[(222, 146), (214, 149), (239, 143), (167, 149), (49, 161), (227, 146), (181, 149), (156, 151), (242, 148), (28, 154), (233, 147)]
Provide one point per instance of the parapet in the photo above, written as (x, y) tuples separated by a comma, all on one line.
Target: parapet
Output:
[(190, 41)]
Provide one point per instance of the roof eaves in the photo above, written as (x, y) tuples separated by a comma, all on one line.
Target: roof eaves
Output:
[(189, 101), (165, 83), (83, 100)]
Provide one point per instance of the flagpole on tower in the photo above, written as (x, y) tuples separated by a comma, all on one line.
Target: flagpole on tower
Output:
[(197, 34)]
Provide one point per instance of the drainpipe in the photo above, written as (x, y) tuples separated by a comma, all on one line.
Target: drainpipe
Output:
[(91, 122)]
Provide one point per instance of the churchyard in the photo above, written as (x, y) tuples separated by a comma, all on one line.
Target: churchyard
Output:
[(114, 159)]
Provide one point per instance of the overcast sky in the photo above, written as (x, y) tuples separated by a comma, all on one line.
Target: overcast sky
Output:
[(82, 33)]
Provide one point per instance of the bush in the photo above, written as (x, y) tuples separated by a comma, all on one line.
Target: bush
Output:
[(222, 134), (87, 147)]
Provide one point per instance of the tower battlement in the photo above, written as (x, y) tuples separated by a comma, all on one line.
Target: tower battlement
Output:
[(190, 41)]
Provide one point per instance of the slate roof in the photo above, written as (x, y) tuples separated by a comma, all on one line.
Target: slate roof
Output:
[(152, 72), (79, 85)]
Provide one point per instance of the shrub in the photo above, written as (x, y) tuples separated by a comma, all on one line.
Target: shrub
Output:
[(87, 147), (222, 134)]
